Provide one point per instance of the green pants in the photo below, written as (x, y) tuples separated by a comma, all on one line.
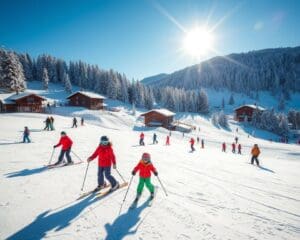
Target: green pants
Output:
[(148, 183)]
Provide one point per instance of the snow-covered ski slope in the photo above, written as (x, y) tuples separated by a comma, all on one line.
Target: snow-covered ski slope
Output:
[(212, 195)]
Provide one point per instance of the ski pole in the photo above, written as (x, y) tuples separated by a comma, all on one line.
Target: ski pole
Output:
[(120, 175), (51, 156), (162, 186), (126, 194), (77, 156), (87, 167)]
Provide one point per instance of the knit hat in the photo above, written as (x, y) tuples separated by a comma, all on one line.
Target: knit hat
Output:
[(146, 157), (104, 140)]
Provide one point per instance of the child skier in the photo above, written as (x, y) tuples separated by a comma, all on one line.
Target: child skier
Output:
[(26, 134), (66, 143), (255, 153), (224, 147), (239, 149), (142, 139), (145, 167), (106, 158), (233, 147), (192, 142), (168, 140), (74, 122)]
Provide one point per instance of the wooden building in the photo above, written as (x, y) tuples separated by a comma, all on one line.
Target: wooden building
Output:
[(23, 102), (245, 112), (158, 118), (87, 99)]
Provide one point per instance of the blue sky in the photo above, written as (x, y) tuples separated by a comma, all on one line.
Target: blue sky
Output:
[(144, 37)]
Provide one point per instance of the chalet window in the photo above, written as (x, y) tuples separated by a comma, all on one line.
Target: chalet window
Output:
[(30, 99)]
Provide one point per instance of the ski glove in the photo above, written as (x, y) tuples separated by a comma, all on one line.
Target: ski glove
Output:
[(133, 173), (54, 146), (155, 173)]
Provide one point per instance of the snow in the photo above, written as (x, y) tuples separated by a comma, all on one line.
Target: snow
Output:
[(211, 195), (162, 111), (88, 94), (252, 106)]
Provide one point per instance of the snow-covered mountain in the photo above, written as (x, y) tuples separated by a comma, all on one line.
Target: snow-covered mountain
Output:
[(153, 79), (275, 70)]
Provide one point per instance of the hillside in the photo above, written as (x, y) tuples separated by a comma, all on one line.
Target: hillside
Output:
[(211, 195), (273, 70)]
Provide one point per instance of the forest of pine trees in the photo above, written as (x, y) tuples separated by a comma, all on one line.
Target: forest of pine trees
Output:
[(17, 69)]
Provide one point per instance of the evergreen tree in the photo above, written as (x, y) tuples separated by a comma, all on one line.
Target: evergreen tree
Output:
[(67, 83), (231, 100), (45, 79)]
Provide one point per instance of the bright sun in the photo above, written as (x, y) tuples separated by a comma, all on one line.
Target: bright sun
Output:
[(198, 42)]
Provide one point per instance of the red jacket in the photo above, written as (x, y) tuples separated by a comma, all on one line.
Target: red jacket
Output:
[(66, 143), (145, 169), (142, 136), (224, 146), (233, 146), (106, 156), (192, 141)]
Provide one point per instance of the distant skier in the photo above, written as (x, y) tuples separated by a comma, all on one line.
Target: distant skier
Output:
[(47, 124), (155, 138), (236, 140), (168, 140), (192, 142), (182, 134), (66, 144), (82, 121), (51, 123), (74, 122), (198, 140), (202, 143), (142, 143), (255, 153), (26, 134), (145, 167), (239, 149), (106, 159), (223, 147), (233, 147)]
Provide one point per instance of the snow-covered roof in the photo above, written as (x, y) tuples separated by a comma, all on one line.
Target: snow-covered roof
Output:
[(162, 111), (8, 98), (88, 94), (252, 106)]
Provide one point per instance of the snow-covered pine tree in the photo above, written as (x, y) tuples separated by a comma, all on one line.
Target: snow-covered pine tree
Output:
[(283, 125), (45, 79), (202, 102), (28, 66), (223, 120), (12, 72), (67, 83)]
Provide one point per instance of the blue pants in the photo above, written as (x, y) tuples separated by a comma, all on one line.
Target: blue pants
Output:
[(105, 171), (62, 154), (26, 138)]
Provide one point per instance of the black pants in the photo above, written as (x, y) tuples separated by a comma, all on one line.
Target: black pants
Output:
[(256, 160), (62, 154), (105, 171)]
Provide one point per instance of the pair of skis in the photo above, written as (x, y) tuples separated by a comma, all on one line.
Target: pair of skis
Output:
[(149, 200), (51, 166), (102, 192)]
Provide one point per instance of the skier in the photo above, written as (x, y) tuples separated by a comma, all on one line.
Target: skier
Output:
[(106, 158), (47, 124), (182, 134), (202, 143), (198, 140), (255, 153), (236, 140), (66, 143), (168, 140), (74, 122), (233, 147), (82, 121), (26, 134), (51, 123), (239, 149), (142, 135), (145, 167), (155, 138), (192, 142), (224, 147)]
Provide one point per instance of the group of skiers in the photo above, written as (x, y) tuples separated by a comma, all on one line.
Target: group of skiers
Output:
[(233, 147), (49, 123), (74, 124)]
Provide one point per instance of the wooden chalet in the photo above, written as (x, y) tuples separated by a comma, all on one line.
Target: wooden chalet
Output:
[(22, 102), (158, 118), (245, 112), (87, 99)]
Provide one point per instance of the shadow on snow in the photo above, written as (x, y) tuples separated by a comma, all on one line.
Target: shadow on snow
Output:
[(26, 172)]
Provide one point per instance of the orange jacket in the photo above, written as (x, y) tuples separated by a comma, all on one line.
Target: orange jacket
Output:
[(255, 151)]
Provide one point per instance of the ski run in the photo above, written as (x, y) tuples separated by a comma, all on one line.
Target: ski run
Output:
[(211, 194)]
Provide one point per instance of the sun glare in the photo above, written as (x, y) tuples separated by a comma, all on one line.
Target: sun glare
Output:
[(198, 42)]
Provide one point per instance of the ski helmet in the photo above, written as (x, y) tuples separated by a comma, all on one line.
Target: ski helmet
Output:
[(146, 157), (104, 140), (63, 133)]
